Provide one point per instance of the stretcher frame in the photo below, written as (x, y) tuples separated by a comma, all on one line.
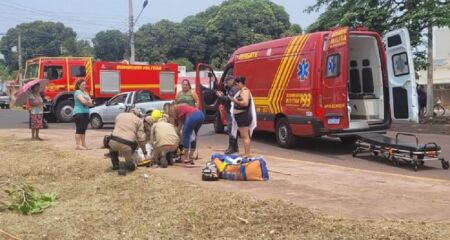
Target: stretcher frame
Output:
[(400, 151)]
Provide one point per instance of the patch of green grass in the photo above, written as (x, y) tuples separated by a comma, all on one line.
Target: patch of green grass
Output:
[(27, 200)]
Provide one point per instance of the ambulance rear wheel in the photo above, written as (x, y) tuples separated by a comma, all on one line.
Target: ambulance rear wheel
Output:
[(64, 111), (283, 134)]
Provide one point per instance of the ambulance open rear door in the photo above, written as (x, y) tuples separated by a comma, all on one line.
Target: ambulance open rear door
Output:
[(402, 81), (334, 85)]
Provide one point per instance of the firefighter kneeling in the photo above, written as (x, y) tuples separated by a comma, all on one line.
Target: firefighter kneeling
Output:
[(163, 137), (127, 135)]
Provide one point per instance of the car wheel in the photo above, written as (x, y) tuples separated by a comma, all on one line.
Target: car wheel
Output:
[(64, 111), (96, 121), (218, 126), (283, 134)]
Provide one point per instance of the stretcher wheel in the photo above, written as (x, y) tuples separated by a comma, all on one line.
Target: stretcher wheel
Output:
[(415, 167), (445, 164)]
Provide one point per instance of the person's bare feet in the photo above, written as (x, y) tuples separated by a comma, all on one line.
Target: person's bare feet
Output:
[(80, 148)]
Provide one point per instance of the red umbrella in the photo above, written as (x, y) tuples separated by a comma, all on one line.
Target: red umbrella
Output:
[(24, 92)]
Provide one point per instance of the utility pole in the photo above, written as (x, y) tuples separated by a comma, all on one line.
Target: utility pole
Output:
[(130, 26), (430, 85), (19, 51)]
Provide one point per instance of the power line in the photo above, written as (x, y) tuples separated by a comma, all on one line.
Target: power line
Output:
[(39, 12)]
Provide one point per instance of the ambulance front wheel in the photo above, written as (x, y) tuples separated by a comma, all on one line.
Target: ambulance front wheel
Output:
[(283, 133)]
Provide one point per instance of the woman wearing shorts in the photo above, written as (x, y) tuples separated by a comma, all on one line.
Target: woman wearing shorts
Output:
[(244, 113)]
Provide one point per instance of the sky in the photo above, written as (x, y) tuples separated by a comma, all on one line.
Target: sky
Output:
[(87, 17)]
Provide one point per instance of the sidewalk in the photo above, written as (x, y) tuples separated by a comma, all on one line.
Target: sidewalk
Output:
[(432, 126)]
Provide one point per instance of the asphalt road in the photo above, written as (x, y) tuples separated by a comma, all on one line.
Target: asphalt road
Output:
[(324, 150)]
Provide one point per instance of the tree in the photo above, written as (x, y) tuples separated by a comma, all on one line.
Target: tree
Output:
[(184, 62), (159, 42), (196, 39), (110, 45), (77, 48), (38, 38), (5, 74), (419, 16), (242, 22), (293, 30)]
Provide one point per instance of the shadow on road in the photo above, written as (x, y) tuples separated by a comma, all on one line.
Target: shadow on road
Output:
[(322, 145)]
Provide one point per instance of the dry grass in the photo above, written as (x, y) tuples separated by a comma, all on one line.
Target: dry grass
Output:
[(95, 203)]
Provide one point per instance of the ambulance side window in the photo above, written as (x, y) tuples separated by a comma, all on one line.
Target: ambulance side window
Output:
[(333, 65)]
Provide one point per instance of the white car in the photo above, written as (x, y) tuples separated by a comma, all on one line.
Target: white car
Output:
[(106, 113)]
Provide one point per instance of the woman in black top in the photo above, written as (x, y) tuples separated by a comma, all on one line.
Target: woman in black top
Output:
[(241, 112)]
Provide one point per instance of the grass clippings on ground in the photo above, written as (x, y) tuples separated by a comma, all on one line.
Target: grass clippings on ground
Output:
[(95, 203)]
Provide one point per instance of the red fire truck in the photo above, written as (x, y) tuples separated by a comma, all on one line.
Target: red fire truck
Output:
[(339, 83), (104, 80)]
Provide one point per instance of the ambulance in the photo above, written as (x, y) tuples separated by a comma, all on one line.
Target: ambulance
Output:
[(338, 83)]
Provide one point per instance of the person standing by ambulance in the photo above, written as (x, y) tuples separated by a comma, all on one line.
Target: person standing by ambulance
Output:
[(187, 95), (244, 114), (230, 91)]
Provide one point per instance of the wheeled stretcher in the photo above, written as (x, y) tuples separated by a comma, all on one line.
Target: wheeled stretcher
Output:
[(397, 150)]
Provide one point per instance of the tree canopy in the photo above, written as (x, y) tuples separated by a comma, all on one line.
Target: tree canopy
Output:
[(110, 45), (210, 36), (383, 16), (38, 38)]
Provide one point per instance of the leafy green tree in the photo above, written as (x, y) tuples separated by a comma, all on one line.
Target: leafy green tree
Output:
[(38, 38), (110, 45), (77, 48), (5, 74), (419, 16), (184, 62), (159, 42), (195, 38), (242, 22), (293, 30)]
